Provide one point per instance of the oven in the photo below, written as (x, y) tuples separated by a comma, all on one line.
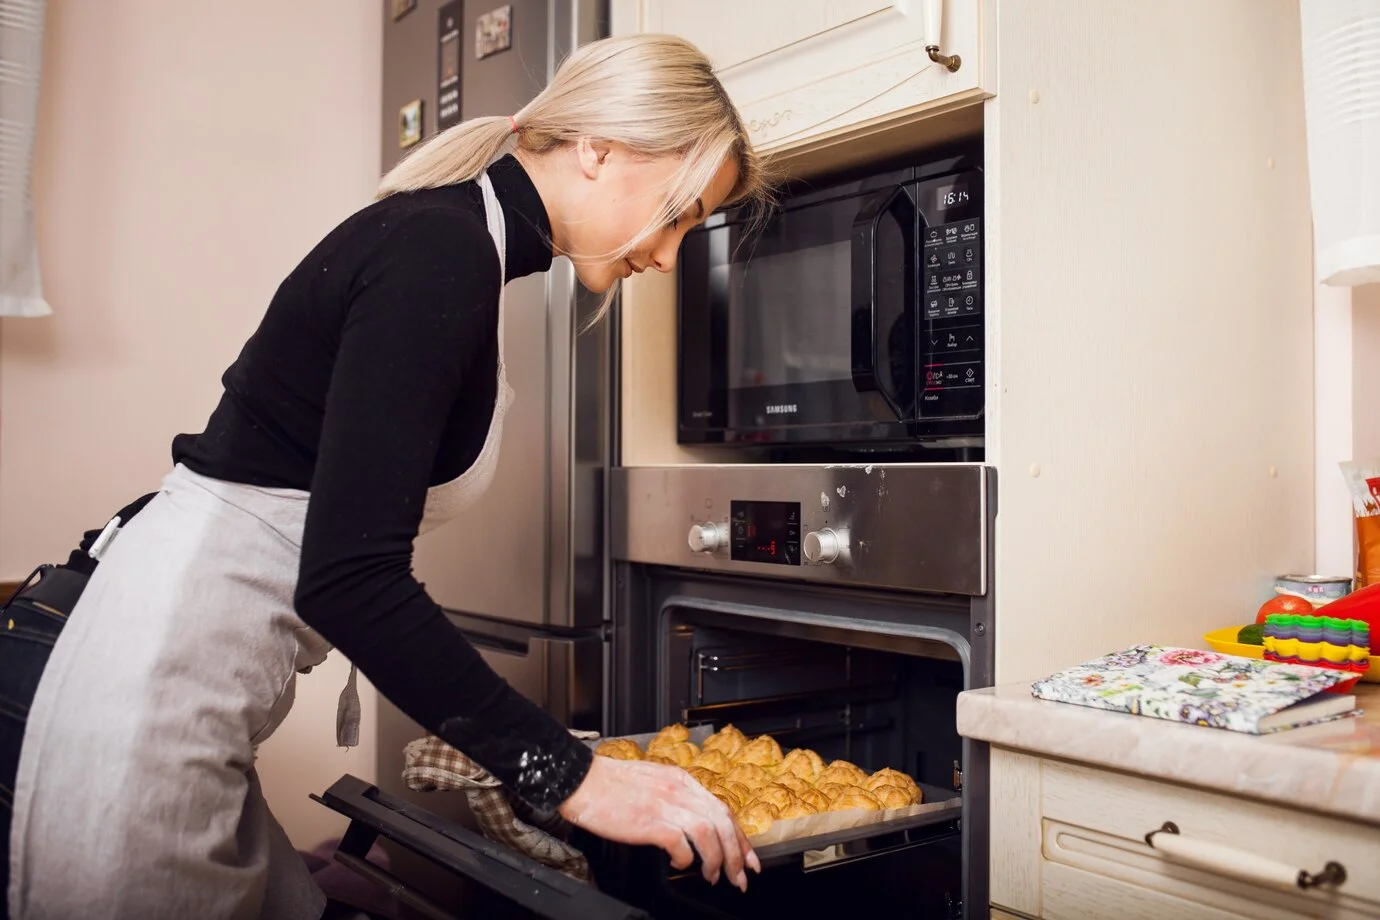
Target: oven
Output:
[(855, 645), (852, 317)]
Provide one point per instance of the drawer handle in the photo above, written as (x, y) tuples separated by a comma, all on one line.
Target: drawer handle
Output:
[(1239, 864)]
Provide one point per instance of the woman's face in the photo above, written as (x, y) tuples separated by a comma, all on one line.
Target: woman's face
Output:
[(620, 194)]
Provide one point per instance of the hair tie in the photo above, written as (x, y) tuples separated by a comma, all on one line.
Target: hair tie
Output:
[(512, 120)]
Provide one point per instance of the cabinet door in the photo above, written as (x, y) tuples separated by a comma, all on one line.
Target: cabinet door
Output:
[(803, 69)]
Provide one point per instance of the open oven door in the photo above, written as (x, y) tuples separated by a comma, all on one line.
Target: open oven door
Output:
[(511, 877)]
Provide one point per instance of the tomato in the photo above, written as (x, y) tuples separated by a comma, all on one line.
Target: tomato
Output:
[(1283, 603)]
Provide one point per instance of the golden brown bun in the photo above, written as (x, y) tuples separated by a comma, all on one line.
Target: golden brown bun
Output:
[(729, 799), (798, 809), (853, 768), (758, 818), (890, 777), (661, 759), (803, 763), (682, 753), (735, 795), (762, 751), (833, 790), (671, 734), (842, 775), (726, 740), (791, 782), (855, 798), (779, 796), (749, 775), (702, 776), (815, 799), (619, 749), (891, 796), (712, 760)]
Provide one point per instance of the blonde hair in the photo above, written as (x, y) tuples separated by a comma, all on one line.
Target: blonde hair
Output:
[(655, 94)]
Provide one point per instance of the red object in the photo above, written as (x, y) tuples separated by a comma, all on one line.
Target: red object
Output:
[(1284, 603), (1363, 605)]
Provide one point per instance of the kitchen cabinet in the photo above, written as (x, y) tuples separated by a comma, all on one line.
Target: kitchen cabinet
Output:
[(1069, 841), (801, 70)]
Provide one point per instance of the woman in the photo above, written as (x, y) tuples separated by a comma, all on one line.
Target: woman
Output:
[(367, 408)]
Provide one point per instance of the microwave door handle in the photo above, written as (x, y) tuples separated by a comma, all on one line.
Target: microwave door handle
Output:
[(865, 319)]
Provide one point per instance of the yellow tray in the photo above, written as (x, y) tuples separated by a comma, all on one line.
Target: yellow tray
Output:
[(1224, 641)]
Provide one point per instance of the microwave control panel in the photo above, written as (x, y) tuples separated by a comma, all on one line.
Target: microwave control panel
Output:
[(951, 317)]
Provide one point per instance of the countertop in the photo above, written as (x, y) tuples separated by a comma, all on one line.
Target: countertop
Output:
[(1332, 768)]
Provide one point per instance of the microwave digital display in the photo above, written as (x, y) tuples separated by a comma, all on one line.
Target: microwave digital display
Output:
[(952, 196)]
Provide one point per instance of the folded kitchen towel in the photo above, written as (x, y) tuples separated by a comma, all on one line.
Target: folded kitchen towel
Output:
[(430, 765)]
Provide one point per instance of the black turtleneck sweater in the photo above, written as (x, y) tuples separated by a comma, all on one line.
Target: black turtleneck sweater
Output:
[(371, 378)]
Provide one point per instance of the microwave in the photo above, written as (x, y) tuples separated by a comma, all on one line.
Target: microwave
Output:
[(852, 317)]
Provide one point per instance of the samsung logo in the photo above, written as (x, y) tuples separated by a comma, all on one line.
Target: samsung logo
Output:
[(782, 409)]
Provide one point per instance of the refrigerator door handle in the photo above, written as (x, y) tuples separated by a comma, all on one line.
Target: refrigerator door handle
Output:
[(514, 638)]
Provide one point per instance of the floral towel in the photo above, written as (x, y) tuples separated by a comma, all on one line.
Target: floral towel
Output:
[(429, 764), (1187, 685)]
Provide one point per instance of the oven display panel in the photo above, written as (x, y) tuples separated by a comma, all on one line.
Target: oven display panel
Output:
[(765, 532)]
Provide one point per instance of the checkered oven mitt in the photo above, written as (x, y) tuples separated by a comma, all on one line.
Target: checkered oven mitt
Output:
[(429, 765)]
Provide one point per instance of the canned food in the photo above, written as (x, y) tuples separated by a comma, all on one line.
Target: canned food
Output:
[(1319, 589)]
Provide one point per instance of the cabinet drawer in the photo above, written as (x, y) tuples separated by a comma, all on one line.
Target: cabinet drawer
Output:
[(802, 69), (1096, 862)]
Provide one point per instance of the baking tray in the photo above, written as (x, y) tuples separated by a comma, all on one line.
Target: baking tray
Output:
[(820, 832)]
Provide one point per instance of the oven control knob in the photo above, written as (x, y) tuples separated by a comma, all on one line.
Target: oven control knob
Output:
[(706, 537), (826, 546)]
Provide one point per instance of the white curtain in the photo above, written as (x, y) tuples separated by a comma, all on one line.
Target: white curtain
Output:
[(21, 51), (1341, 85)]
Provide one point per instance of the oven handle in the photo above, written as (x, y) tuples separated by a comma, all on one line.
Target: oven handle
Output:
[(864, 345), (514, 638)]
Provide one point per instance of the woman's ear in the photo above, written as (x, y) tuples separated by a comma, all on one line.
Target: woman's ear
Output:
[(592, 156)]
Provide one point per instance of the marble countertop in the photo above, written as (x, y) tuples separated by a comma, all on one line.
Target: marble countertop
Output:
[(1333, 768)]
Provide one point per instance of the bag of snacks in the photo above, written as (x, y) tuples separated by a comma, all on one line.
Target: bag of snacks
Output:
[(1363, 482)]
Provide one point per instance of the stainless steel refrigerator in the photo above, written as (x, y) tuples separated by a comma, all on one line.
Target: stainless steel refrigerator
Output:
[(524, 572)]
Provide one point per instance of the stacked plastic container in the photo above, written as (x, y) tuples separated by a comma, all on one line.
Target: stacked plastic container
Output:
[(1319, 641)]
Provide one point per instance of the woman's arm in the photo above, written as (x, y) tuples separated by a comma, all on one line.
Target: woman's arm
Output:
[(415, 328)]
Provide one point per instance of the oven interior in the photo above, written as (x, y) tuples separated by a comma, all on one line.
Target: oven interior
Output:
[(874, 697)]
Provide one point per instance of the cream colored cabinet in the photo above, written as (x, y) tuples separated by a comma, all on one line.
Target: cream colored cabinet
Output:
[(1069, 841), (800, 70)]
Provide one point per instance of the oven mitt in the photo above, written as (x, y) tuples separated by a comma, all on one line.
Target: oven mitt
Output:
[(429, 765)]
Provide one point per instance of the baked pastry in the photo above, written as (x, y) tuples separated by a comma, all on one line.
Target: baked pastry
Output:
[(702, 776), (727, 740), (671, 734), (619, 749), (891, 796), (791, 782), (749, 775), (889, 777), (762, 751), (855, 798), (681, 753), (798, 809), (734, 795), (779, 796), (733, 804), (833, 790), (842, 765), (758, 818), (712, 760), (815, 799), (803, 763), (842, 775)]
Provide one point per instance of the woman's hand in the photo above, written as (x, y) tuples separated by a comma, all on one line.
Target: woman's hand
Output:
[(631, 801)]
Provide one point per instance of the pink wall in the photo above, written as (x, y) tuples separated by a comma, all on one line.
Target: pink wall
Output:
[(188, 155)]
